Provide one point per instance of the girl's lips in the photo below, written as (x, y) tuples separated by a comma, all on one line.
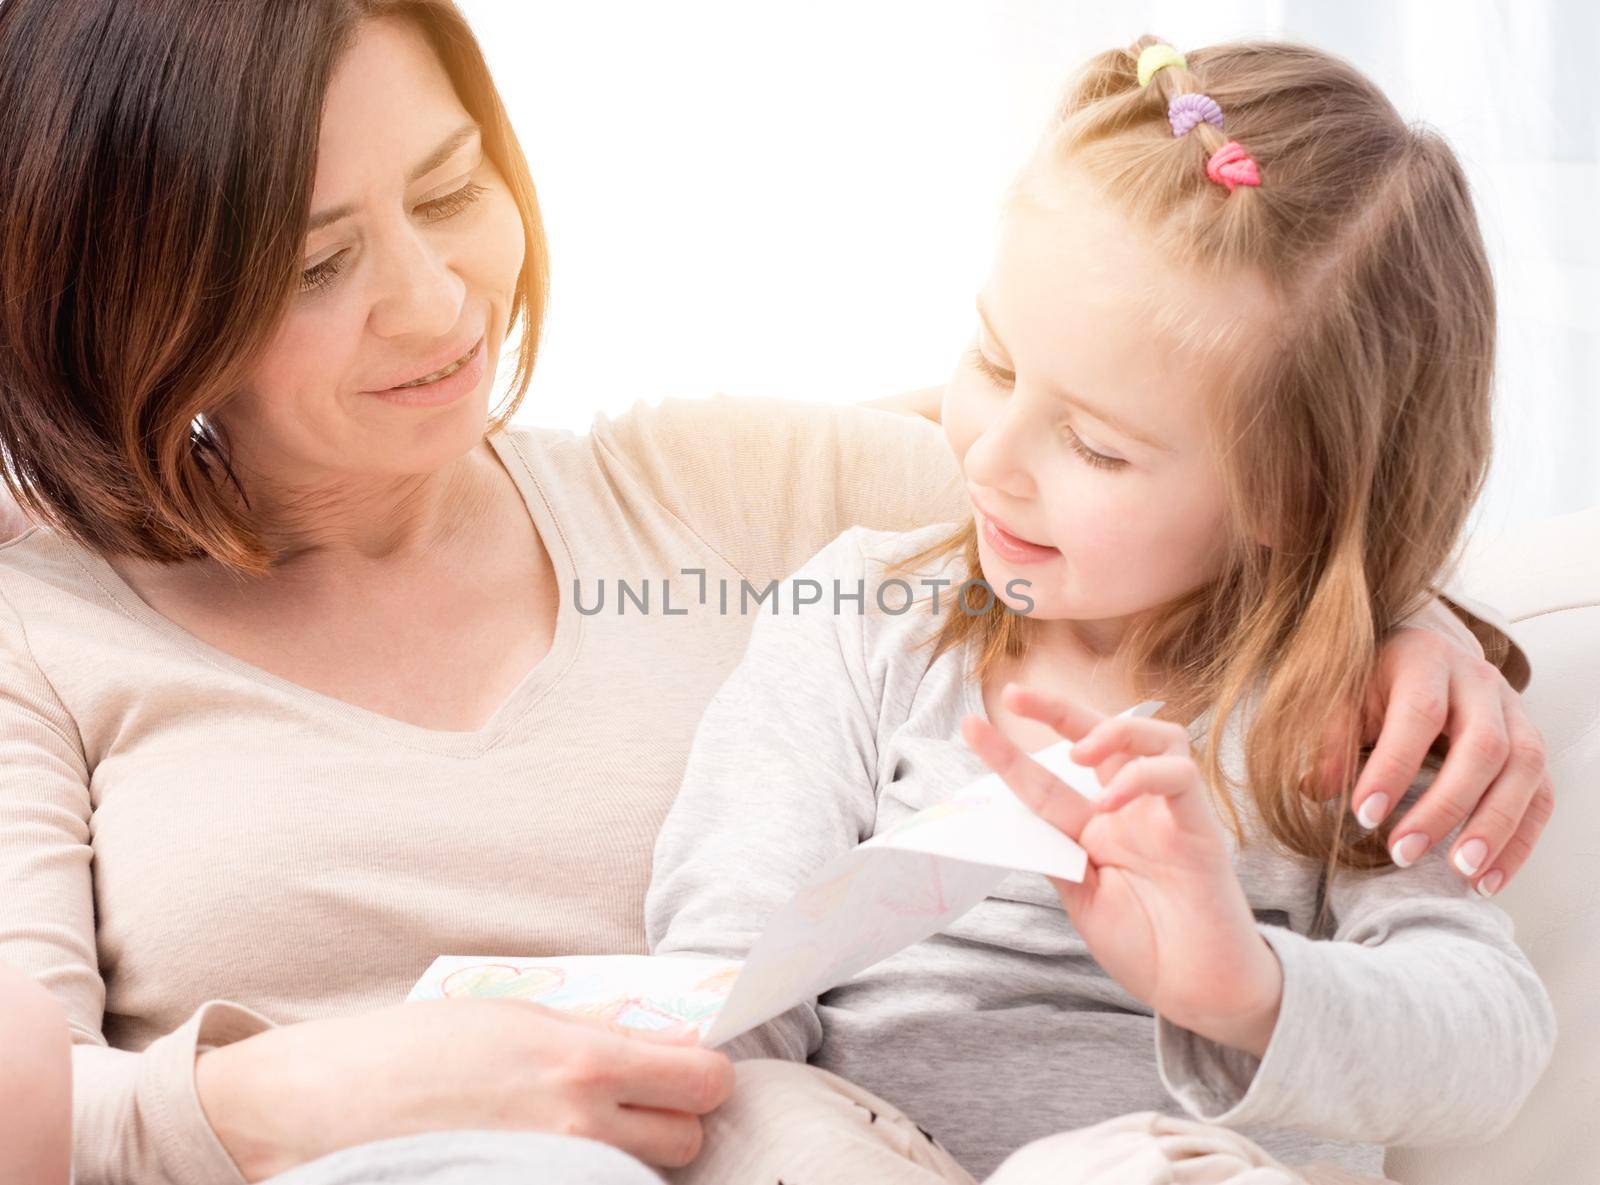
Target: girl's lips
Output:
[(1009, 547)]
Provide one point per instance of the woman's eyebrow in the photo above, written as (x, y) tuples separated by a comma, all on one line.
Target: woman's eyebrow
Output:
[(447, 148), (1104, 417)]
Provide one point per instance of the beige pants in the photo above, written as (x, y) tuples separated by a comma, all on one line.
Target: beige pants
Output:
[(793, 1124)]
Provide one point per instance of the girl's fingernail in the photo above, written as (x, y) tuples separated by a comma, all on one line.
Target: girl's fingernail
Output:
[(1372, 810), (1490, 885), (1471, 855), (1408, 851)]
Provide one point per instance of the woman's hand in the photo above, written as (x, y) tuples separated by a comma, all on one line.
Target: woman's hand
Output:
[(1428, 686), (292, 1094), (1159, 906)]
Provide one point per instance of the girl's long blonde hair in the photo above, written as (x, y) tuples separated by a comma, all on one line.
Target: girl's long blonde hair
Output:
[(1357, 433)]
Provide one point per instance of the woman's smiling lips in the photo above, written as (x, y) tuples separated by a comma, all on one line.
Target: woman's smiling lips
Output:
[(444, 359), (451, 387)]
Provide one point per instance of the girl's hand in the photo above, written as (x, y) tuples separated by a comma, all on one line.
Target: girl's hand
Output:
[(292, 1094), (1428, 686), (1159, 906)]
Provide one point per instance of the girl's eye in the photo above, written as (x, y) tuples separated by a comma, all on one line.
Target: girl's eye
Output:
[(1005, 378), (321, 275), (1000, 378), (1098, 460)]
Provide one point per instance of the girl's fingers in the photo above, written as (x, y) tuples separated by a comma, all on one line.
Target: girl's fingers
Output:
[(1134, 736), (1415, 695), (1040, 790), (1066, 717), (1499, 870), (1169, 776)]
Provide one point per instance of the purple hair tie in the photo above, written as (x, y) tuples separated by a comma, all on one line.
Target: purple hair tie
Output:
[(1190, 108)]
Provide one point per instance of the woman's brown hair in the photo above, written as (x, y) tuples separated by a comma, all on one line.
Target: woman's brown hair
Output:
[(156, 182), (1355, 432)]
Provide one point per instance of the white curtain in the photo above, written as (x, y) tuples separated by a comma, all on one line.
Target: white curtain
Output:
[(798, 199)]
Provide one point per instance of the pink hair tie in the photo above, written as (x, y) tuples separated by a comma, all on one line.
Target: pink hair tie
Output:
[(1231, 165), (1190, 108)]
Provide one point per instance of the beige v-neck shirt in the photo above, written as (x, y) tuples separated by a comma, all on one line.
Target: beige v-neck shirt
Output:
[(192, 849)]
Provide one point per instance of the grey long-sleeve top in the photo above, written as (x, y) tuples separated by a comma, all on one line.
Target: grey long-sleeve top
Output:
[(1416, 1020)]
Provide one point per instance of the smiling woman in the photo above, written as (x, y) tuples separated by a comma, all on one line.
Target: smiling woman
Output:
[(291, 699), (218, 333)]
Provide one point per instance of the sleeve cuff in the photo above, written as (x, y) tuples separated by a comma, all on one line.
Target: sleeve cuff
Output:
[(186, 1148), (1220, 1084), (1493, 632)]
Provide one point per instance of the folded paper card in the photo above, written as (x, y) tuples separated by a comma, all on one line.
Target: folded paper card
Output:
[(897, 888)]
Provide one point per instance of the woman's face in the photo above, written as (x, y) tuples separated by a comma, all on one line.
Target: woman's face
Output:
[(419, 261), (1079, 413)]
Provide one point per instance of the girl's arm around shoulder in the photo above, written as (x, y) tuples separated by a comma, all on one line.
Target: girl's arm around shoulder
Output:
[(780, 779), (1418, 1022)]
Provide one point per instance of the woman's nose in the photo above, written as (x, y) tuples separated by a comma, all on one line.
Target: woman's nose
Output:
[(419, 291)]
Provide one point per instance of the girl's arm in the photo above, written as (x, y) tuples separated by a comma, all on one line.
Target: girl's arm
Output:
[(1419, 1022), (780, 779), (35, 1084)]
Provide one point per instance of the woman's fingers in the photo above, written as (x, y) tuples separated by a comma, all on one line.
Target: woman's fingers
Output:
[(666, 1069), (1040, 790), (1343, 726), (1500, 815), (1499, 870), (669, 1139), (1412, 689), (1485, 754)]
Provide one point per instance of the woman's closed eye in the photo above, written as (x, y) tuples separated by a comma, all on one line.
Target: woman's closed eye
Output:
[(1006, 379), (322, 274)]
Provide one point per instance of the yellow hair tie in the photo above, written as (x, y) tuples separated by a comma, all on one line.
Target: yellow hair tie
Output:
[(1158, 57)]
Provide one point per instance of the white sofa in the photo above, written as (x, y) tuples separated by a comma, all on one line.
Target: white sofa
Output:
[(1545, 577)]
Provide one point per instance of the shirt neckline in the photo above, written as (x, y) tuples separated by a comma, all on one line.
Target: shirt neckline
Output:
[(538, 680)]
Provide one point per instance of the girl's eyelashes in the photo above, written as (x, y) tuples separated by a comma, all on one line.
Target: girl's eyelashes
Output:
[(1005, 378), (1001, 378), (322, 274), (1098, 460)]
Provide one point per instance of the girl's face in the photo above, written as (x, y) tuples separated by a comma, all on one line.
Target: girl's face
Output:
[(420, 262), (1078, 413)]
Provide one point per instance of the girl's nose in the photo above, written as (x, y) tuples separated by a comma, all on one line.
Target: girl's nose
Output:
[(1004, 455)]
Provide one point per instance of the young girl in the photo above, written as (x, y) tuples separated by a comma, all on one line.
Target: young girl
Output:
[(1222, 422)]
